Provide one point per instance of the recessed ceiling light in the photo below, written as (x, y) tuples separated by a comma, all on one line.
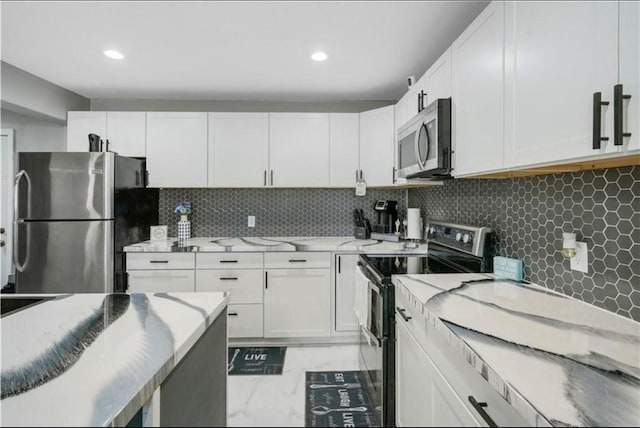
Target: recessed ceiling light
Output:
[(319, 56), (113, 54)]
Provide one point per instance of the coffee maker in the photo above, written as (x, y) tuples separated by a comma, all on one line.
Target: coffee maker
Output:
[(387, 215)]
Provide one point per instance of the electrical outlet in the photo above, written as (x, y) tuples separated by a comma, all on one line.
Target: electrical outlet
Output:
[(580, 261), (251, 221)]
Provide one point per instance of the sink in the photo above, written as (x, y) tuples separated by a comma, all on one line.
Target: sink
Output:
[(10, 305)]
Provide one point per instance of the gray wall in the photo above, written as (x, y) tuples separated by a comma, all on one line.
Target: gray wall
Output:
[(279, 212), (125, 104), (27, 94), (34, 134), (529, 215)]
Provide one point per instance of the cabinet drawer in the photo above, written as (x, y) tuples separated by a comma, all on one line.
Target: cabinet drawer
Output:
[(297, 259), (244, 286), (413, 319), (229, 261), (158, 281), (160, 261), (245, 320)]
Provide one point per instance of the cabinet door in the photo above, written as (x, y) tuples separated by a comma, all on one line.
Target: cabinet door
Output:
[(477, 102), (296, 303), (557, 55), (177, 149), (447, 408), (439, 78), (238, 149), (157, 281), (401, 112), (630, 73), (416, 98), (344, 142), (126, 131), (82, 123), (346, 265), (377, 142), (413, 401), (299, 149)]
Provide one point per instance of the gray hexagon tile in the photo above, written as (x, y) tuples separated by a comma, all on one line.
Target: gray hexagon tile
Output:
[(278, 212), (529, 215)]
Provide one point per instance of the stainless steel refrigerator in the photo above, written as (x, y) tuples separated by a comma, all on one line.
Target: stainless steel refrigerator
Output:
[(74, 212)]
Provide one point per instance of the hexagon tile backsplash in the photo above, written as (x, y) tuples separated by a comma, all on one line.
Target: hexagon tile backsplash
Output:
[(529, 215), (278, 212)]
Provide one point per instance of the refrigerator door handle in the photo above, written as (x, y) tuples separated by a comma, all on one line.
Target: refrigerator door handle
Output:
[(16, 184)]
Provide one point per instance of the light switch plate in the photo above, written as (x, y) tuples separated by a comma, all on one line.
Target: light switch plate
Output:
[(581, 260), (251, 221)]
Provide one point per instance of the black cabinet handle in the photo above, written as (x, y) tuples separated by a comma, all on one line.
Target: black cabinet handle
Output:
[(265, 177), (618, 125), (597, 120), (228, 261), (232, 314), (272, 177), (228, 278), (158, 261), (297, 261), (339, 264), (402, 314), (483, 413), (420, 102), (266, 280)]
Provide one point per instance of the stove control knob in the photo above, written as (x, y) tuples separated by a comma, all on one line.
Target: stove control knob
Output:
[(458, 236), (466, 238)]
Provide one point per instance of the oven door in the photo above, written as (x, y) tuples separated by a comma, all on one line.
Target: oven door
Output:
[(371, 346)]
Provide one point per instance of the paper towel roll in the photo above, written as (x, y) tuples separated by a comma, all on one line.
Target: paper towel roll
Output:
[(414, 223)]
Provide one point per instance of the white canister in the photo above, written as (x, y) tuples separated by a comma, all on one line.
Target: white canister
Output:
[(414, 223)]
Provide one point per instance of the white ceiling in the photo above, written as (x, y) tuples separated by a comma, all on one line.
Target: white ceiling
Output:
[(232, 50)]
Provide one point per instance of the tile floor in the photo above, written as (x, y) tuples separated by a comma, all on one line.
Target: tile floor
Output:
[(278, 400)]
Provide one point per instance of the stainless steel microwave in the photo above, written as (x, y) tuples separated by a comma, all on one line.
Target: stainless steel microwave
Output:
[(424, 143)]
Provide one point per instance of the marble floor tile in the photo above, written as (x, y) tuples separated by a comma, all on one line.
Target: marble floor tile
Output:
[(278, 400)]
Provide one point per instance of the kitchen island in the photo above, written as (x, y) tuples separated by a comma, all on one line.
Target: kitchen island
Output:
[(556, 360), (97, 359)]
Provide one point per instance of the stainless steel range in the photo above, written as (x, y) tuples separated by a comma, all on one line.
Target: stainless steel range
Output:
[(452, 248)]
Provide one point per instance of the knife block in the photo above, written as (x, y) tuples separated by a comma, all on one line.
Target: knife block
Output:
[(361, 232)]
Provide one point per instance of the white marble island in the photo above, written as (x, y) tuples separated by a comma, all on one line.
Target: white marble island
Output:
[(95, 359), (558, 361)]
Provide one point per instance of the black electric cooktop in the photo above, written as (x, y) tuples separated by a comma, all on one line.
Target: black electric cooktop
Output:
[(438, 260)]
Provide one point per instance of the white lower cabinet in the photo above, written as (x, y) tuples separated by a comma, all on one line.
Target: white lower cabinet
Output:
[(157, 281), (244, 286), (245, 321), (297, 303), (346, 265)]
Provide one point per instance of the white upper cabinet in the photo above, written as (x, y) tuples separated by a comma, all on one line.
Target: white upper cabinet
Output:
[(299, 149), (238, 149), (401, 111), (377, 138), (557, 55), (125, 131), (477, 101), (629, 74), (439, 78), (344, 149), (417, 97), (177, 149), (82, 123)]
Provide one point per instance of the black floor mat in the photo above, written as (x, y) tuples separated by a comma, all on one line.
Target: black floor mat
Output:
[(337, 399), (256, 361)]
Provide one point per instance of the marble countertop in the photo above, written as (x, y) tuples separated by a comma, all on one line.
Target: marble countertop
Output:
[(94, 359), (258, 244), (557, 360)]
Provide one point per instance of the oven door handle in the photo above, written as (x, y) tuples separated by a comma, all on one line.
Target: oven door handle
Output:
[(371, 336)]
